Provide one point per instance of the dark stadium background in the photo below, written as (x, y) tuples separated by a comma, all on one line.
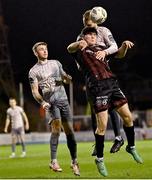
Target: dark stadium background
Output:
[(59, 22)]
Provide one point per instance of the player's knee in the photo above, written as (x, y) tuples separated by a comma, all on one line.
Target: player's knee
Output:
[(13, 138), (101, 130), (101, 126), (56, 126), (22, 138), (128, 121)]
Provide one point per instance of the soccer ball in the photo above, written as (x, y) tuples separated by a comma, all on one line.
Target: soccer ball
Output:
[(98, 15)]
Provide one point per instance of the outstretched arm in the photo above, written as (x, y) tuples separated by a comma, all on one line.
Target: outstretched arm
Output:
[(73, 47), (124, 48)]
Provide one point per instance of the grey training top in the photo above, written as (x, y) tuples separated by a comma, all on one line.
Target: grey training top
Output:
[(47, 75), (15, 115)]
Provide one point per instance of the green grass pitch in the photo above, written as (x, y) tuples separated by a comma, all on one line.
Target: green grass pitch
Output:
[(119, 165)]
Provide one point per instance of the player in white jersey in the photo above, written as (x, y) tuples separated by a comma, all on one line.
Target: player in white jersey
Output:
[(48, 75), (106, 40), (17, 116), (105, 37)]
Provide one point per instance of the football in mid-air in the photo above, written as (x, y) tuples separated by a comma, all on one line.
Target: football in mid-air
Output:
[(98, 14)]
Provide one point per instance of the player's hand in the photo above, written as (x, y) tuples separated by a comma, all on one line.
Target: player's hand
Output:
[(67, 79), (82, 44), (45, 105), (100, 55), (128, 44)]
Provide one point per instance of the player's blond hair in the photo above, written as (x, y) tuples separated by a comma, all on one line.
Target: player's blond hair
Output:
[(38, 44), (86, 16)]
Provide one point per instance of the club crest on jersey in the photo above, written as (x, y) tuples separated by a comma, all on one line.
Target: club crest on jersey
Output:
[(102, 101), (49, 85)]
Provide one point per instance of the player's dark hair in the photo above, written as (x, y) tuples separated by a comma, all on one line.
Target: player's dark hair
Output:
[(88, 30), (12, 98)]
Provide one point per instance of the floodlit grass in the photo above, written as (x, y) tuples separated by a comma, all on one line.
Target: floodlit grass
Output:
[(120, 165)]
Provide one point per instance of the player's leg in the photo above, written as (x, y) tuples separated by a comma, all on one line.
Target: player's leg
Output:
[(13, 146), (99, 102), (72, 146), (53, 115), (21, 134), (118, 142), (129, 130), (54, 141), (102, 119), (71, 142)]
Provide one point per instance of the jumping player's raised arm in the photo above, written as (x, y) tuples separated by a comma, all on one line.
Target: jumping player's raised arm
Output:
[(124, 48)]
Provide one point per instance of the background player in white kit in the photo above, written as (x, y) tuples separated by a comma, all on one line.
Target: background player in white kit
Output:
[(48, 75), (17, 116)]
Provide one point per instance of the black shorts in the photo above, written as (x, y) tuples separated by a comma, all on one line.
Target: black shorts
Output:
[(105, 94)]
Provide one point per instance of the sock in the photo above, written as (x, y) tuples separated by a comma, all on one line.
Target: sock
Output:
[(99, 159), (130, 135), (54, 161), (54, 140), (23, 146), (74, 161), (99, 145), (71, 143), (13, 148)]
